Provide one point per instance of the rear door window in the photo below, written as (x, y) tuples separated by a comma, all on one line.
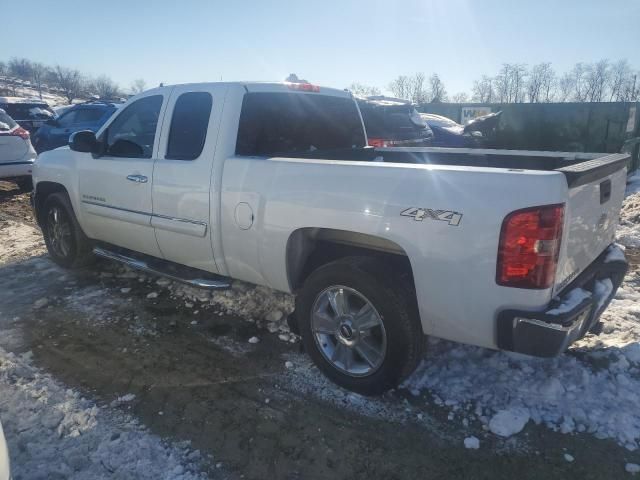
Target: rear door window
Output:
[(189, 125), (290, 123)]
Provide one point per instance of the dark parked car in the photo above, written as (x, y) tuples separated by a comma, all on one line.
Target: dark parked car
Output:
[(84, 116), (29, 113), (391, 122), (476, 134)]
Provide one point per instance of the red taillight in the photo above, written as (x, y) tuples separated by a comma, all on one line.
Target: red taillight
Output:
[(304, 87), (378, 142), (529, 247), (19, 132)]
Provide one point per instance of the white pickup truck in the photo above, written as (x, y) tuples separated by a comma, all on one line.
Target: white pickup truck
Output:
[(272, 184)]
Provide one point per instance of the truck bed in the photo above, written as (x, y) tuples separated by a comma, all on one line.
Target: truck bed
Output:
[(578, 167)]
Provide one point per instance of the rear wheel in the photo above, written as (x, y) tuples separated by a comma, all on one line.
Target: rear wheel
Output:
[(360, 325), (67, 244)]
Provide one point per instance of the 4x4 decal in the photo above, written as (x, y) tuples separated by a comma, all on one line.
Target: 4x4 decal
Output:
[(419, 214)]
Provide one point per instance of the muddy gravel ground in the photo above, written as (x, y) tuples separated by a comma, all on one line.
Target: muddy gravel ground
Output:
[(255, 411)]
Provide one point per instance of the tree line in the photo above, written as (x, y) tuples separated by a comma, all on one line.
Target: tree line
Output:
[(601, 81), (71, 83)]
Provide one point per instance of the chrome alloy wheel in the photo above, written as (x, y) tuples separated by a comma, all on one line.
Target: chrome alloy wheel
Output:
[(59, 232), (348, 331)]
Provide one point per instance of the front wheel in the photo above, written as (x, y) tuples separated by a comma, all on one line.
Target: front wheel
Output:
[(67, 244), (360, 325)]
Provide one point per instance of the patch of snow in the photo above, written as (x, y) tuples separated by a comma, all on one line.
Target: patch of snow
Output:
[(254, 340), (615, 253), (628, 233), (18, 241), (572, 299), (509, 421), (632, 468), (52, 432), (568, 458), (472, 443), (602, 291)]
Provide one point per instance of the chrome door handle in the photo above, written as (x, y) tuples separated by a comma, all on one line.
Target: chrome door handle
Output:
[(137, 178)]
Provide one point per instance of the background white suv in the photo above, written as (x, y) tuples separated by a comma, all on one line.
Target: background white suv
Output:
[(16, 152)]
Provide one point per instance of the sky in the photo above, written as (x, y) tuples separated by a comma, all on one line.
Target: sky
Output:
[(329, 42)]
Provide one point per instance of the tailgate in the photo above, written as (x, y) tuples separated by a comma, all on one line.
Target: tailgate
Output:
[(596, 192)]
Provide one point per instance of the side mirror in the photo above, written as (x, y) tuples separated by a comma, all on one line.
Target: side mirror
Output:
[(52, 122), (83, 141)]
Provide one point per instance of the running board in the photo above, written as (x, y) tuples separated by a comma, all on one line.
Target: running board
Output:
[(180, 273)]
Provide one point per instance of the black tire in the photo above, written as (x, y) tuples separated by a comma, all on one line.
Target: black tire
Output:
[(392, 296), (25, 184), (79, 251)]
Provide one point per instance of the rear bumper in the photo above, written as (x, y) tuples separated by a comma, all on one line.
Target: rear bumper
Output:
[(570, 315), (16, 169)]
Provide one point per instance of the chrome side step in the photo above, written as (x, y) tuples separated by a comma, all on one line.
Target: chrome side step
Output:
[(180, 273)]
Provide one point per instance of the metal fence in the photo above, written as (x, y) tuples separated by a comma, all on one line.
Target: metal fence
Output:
[(581, 127)]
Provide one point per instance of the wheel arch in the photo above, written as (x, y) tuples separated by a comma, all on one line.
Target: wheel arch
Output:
[(308, 248), (42, 190)]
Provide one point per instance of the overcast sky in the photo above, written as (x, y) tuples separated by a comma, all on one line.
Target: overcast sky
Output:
[(328, 42)]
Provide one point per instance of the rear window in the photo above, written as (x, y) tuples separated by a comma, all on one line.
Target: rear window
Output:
[(28, 111), (189, 125), (6, 122), (289, 123)]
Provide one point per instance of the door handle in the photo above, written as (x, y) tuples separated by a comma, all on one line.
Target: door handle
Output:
[(137, 178)]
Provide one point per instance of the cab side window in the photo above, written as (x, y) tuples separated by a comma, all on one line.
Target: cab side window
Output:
[(133, 131), (189, 125)]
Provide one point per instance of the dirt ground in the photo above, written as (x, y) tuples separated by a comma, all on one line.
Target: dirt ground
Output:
[(195, 377)]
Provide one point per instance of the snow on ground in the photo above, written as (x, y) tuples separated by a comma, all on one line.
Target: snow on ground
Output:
[(18, 241), (629, 230), (53, 432)]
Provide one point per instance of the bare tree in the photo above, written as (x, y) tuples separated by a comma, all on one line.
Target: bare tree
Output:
[(400, 87), (580, 89), (483, 90), (361, 90), (597, 81), (460, 97), (510, 83), (417, 91), (20, 67), (69, 81), (38, 73), (622, 82), (566, 88), (540, 83), (3, 68), (104, 87), (138, 86), (437, 91)]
